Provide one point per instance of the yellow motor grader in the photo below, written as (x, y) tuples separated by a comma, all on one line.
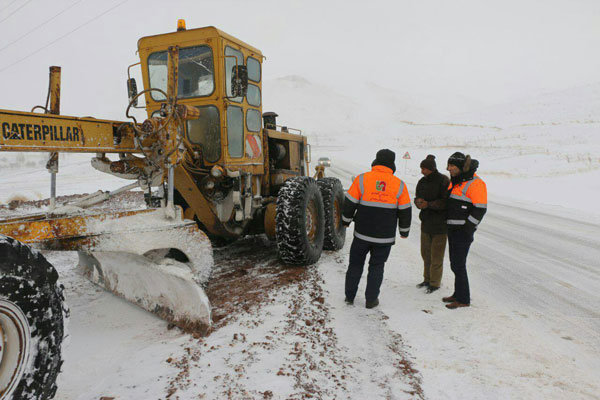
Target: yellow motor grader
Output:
[(212, 166)]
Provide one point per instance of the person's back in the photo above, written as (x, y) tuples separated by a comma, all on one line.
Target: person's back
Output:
[(378, 192), (376, 201)]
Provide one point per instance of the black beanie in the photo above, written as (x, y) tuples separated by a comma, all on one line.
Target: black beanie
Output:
[(386, 158), (429, 163), (457, 159)]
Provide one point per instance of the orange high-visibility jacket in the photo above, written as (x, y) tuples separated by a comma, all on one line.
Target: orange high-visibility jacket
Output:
[(467, 204), (375, 202)]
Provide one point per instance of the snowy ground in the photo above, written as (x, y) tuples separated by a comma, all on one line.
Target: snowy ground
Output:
[(533, 330)]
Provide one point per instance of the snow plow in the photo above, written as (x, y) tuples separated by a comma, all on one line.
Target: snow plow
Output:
[(212, 167)]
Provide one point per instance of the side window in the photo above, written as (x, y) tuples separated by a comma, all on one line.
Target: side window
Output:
[(235, 131), (253, 120), (233, 57), (253, 95), (253, 69), (206, 132)]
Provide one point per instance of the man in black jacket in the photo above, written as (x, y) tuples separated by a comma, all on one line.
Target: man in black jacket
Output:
[(430, 198)]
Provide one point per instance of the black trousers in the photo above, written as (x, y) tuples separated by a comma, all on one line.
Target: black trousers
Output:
[(459, 242), (358, 254)]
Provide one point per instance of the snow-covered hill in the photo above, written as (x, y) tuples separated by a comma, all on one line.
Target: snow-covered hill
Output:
[(526, 149)]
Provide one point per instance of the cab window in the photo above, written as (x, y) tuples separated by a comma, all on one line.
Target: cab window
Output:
[(253, 120), (196, 72), (206, 132), (253, 69), (235, 131), (253, 95), (233, 57)]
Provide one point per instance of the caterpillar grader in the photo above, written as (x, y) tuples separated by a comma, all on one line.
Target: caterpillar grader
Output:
[(212, 167)]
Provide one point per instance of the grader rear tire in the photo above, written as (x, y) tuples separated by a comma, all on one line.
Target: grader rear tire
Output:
[(300, 221), (32, 317), (332, 192)]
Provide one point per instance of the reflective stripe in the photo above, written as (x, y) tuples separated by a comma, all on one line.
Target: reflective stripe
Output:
[(403, 206), (463, 198), (374, 240), (377, 204), (361, 185), (401, 190), (346, 219), (456, 222), (468, 183), (473, 220), (404, 229), (480, 205), (352, 199)]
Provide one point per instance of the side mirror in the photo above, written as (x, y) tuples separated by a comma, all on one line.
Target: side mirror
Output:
[(239, 81), (324, 161), (132, 91)]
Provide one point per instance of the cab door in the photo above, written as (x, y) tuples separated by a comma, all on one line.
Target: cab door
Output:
[(243, 115)]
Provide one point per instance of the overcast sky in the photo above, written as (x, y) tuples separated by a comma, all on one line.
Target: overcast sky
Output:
[(490, 51)]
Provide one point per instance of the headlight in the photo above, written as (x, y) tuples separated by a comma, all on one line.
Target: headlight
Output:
[(216, 171)]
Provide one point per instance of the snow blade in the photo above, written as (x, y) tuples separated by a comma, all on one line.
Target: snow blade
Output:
[(157, 263), (160, 268)]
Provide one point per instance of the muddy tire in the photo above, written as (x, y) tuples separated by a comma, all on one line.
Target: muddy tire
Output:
[(29, 288), (300, 222), (332, 192)]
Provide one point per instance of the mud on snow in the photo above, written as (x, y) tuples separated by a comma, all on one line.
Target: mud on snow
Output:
[(275, 337)]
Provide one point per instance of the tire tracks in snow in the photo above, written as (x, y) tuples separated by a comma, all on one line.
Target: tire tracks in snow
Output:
[(287, 346)]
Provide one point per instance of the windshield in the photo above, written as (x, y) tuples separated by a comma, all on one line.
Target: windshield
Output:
[(196, 72)]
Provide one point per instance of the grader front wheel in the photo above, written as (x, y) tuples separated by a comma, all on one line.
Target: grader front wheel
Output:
[(32, 314), (300, 227)]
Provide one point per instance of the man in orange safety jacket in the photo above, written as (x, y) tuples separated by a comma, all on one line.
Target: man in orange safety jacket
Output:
[(377, 201), (466, 206)]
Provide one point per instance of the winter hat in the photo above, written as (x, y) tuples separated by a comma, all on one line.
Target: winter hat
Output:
[(458, 159), (429, 163), (386, 158)]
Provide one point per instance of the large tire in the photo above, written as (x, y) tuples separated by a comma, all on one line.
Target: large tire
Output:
[(299, 221), (332, 192), (30, 283)]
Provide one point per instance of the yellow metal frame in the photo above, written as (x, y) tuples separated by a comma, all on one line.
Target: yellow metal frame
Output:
[(25, 131)]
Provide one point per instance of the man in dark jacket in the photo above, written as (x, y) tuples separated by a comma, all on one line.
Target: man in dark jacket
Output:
[(430, 198), (467, 204), (377, 201)]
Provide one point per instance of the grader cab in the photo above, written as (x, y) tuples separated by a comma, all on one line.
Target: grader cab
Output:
[(212, 167)]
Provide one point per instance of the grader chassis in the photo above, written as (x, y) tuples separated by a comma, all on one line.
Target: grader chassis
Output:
[(203, 157)]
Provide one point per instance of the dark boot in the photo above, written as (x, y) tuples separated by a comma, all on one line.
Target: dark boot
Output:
[(431, 289), (372, 304), (349, 301), (449, 299), (423, 284), (456, 305)]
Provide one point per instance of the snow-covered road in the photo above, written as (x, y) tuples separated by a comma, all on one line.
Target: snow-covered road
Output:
[(534, 324)]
